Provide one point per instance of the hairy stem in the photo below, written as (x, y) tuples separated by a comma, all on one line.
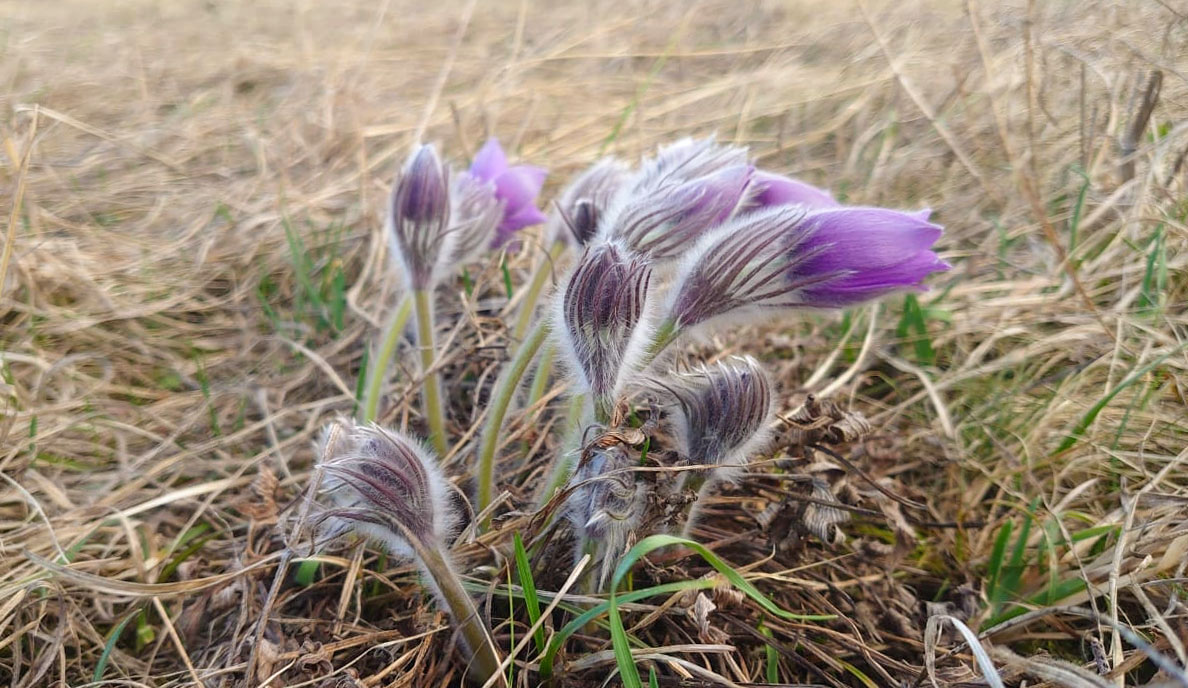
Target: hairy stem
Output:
[(540, 379), (465, 614), (378, 367), (505, 389), (431, 385), (535, 288), (563, 462)]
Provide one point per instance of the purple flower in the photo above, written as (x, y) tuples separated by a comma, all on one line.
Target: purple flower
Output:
[(662, 223), (418, 216), (583, 203), (601, 320), (774, 189), (386, 486), (516, 185), (869, 251), (721, 412), (784, 258), (685, 160)]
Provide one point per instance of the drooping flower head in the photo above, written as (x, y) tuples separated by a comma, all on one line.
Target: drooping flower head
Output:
[(386, 486), (418, 218), (662, 222), (602, 322), (606, 503), (772, 189), (585, 201), (786, 258), (721, 412), (516, 185)]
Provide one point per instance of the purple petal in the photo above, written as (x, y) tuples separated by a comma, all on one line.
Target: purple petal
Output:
[(866, 238), (490, 161), (775, 189), (519, 185)]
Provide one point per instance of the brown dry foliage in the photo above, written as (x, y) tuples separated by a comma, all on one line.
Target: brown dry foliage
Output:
[(165, 370)]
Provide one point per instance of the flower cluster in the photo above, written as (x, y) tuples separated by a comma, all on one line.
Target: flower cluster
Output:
[(694, 238)]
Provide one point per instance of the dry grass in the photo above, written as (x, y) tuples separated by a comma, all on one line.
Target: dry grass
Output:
[(167, 356)]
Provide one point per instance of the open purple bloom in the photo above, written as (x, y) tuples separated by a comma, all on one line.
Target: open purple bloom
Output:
[(784, 258), (772, 189), (418, 217), (601, 320), (662, 223), (516, 185)]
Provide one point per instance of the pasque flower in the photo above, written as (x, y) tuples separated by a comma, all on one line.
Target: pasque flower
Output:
[(418, 218), (585, 201), (601, 320), (517, 186), (720, 412), (662, 221), (606, 504), (685, 160), (388, 487), (476, 214), (786, 257), (770, 189)]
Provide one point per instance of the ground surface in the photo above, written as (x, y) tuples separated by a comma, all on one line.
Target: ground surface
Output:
[(195, 269)]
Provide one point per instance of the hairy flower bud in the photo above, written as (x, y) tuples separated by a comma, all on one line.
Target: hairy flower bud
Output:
[(476, 213), (662, 222), (721, 412), (386, 486), (602, 319), (585, 201), (606, 503), (785, 258), (685, 160), (418, 217)]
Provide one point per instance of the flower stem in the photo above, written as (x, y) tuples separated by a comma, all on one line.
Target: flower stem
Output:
[(505, 388), (564, 460), (378, 367), (461, 607), (431, 385), (528, 307), (540, 379), (666, 334)]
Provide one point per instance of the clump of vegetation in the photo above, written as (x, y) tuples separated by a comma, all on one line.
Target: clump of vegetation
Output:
[(268, 418)]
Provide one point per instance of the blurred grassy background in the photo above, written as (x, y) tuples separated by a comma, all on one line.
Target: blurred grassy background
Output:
[(193, 265)]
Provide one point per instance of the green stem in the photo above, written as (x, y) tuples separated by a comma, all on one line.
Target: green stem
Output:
[(528, 308), (540, 379), (463, 611), (505, 389), (563, 462), (666, 334), (378, 367), (431, 385)]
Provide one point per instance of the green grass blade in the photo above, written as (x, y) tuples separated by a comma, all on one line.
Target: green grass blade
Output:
[(531, 600), (1086, 420), (113, 636), (623, 659)]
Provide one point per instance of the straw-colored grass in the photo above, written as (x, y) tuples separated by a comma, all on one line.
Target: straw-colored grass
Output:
[(184, 182)]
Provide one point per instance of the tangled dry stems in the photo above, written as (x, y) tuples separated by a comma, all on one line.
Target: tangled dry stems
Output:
[(168, 354)]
